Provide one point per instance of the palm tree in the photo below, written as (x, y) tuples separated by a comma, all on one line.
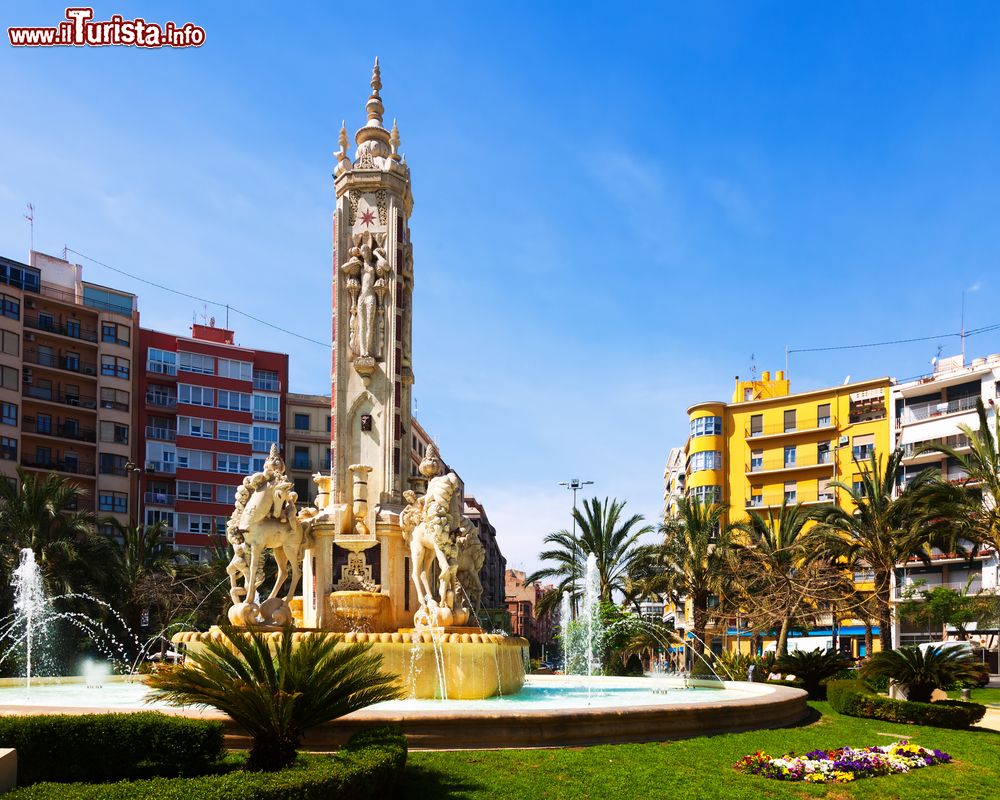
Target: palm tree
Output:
[(39, 512), (691, 564), (276, 690), (142, 553), (879, 532), (971, 509), (920, 672), (771, 553), (602, 530)]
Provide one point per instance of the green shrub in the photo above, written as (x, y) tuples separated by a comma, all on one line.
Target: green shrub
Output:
[(812, 668), (103, 747), (854, 699), (365, 768), (920, 672)]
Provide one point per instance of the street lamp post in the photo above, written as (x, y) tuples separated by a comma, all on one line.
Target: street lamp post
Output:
[(575, 484)]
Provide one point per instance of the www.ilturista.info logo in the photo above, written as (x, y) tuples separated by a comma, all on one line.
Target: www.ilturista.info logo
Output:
[(79, 30)]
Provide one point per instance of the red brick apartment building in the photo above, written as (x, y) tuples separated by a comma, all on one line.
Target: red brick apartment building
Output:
[(208, 412)]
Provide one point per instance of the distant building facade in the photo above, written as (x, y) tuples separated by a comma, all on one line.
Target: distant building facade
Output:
[(493, 573), (522, 602), (307, 441)]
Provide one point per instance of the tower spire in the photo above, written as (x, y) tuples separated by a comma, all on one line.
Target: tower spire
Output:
[(374, 105)]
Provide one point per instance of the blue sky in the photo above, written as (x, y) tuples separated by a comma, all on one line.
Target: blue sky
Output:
[(615, 206)]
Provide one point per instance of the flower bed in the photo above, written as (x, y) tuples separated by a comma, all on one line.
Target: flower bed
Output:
[(842, 765)]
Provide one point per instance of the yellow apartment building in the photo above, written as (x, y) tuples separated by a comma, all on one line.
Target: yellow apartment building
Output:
[(769, 446)]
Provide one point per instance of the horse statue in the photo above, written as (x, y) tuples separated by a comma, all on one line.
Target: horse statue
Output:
[(265, 518)]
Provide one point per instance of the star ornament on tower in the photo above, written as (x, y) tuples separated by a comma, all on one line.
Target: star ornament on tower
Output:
[(368, 217)]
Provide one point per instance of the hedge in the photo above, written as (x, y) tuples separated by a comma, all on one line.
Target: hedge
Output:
[(820, 694), (855, 699), (109, 747), (363, 769)]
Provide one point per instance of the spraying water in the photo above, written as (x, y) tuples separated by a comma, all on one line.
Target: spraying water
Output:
[(565, 617), (29, 602), (590, 613)]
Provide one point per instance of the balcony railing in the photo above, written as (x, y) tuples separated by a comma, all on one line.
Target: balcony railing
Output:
[(58, 465), (68, 363), (774, 499), (161, 400), (159, 499), (62, 431), (159, 368), (266, 384), (301, 463), (800, 426), (957, 442), (921, 411), (166, 467), (72, 330), (55, 396), (773, 462), (162, 434)]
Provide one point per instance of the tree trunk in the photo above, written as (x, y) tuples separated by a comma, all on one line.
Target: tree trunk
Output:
[(700, 620), (782, 647), (883, 596), (868, 637)]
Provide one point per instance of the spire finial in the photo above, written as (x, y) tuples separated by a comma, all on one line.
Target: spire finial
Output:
[(343, 160), (374, 105), (394, 140)]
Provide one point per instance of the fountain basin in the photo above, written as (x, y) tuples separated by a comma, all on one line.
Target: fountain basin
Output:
[(351, 611), (550, 711), (474, 666)]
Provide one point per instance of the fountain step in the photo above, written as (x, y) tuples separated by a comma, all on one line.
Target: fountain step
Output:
[(445, 629)]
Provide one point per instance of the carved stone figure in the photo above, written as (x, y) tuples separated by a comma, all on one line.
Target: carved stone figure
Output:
[(471, 557), (430, 527), (265, 518), (366, 272)]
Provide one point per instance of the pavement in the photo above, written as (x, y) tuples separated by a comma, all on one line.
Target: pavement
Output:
[(991, 719)]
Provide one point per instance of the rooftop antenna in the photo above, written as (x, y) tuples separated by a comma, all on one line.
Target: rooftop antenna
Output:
[(30, 216), (753, 368), (963, 327), (415, 407)]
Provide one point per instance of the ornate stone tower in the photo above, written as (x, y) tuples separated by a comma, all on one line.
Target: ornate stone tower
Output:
[(371, 372)]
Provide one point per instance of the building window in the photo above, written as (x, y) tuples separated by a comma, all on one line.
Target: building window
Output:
[(194, 523), (824, 490), (706, 426), (114, 366), (868, 405), (195, 459), (162, 362), (863, 447), (154, 516), (20, 276), (707, 495), (790, 456), (263, 438), (858, 487), (328, 423), (112, 464), (756, 460), (266, 380), (300, 460), (8, 448), (10, 379), (107, 300), (9, 414), (11, 343), (237, 370), (791, 492), (301, 422), (234, 401), (790, 420), (756, 424), (194, 426), (197, 492), (266, 408), (823, 416), (234, 432), (116, 399), (196, 362), (823, 453), (11, 307), (233, 464), (756, 500), (114, 432), (711, 459), (195, 395), (113, 333), (115, 502)]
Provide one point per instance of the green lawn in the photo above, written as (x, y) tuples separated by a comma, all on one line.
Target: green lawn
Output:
[(702, 768), (985, 696)]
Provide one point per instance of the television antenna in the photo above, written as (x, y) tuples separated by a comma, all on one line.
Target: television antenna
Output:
[(30, 216)]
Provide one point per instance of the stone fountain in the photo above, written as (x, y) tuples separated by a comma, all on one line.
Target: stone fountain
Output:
[(384, 555)]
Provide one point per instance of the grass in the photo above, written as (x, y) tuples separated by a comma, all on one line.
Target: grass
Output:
[(702, 768), (987, 696)]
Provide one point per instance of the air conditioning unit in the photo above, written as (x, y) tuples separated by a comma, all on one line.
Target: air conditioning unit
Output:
[(844, 441), (29, 303), (29, 337), (150, 466)]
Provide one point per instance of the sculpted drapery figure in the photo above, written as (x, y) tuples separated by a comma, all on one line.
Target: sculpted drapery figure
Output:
[(366, 272), (437, 534)]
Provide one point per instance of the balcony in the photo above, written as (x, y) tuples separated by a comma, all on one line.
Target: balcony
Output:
[(912, 451), (776, 462), (161, 400), (164, 467), (801, 426), (71, 466), (921, 411), (159, 499), (55, 396), (774, 499), (63, 362), (72, 330), (265, 384), (58, 430), (159, 368), (161, 434)]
